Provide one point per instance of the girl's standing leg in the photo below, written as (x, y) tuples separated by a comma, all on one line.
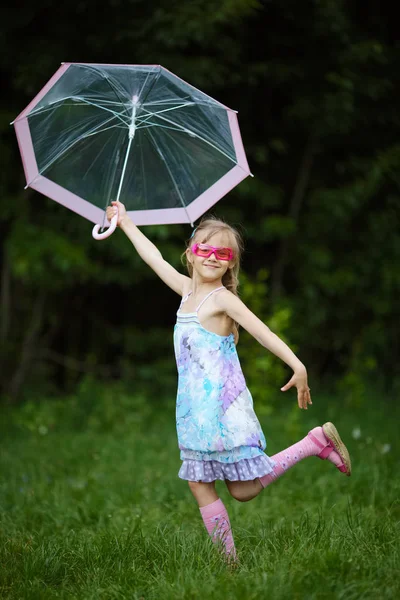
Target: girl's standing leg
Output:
[(322, 442), (214, 515)]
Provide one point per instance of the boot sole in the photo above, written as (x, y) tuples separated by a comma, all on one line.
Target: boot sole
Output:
[(333, 436)]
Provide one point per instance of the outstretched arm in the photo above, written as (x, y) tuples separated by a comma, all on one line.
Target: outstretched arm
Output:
[(147, 250), (239, 312)]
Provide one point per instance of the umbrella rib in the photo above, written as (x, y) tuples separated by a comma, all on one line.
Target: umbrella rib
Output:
[(152, 114), (117, 115), (147, 126), (165, 101), (86, 135), (49, 106), (152, 84), (194, 134), (100, 100), (155, 79), (82, 101), (172, 100), (142, 169), (64, 150), (112, 85), (172, 178)]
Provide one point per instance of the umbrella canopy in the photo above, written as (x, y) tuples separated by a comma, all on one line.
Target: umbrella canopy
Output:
[(135, 133)]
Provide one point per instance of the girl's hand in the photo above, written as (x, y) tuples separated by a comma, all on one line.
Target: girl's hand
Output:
[(299, 380), (112, 210)]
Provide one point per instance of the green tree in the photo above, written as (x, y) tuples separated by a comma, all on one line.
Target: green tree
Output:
[(315, 85)]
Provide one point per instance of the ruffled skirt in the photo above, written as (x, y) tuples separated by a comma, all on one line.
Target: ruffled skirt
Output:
[(209, 470)]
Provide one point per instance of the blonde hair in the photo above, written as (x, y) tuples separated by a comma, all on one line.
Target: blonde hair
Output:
[(207, 227)]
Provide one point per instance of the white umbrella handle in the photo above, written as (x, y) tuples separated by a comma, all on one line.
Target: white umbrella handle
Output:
[(107, 232)]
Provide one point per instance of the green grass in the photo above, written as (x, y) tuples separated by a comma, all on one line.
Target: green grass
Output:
[(93, 509)]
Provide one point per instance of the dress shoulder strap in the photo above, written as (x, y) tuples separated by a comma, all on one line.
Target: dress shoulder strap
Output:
[(184, 298), (208, 295)]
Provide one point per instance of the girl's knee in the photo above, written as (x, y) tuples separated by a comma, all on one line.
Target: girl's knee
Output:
[(244, 491), (242, 497), (238, 493)]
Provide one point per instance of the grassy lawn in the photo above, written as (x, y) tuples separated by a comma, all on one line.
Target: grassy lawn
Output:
[(92, 508)]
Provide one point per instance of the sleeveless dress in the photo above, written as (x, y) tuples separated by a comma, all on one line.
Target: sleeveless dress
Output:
[(219, 435)]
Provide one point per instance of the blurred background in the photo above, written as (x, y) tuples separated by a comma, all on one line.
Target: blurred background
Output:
[(316, 86), (90, 503)]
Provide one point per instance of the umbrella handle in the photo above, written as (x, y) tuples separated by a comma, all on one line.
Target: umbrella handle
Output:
[(107, 232)]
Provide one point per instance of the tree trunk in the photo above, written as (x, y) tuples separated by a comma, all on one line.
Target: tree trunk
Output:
[(28, 349), (295, 204), (5, 314)]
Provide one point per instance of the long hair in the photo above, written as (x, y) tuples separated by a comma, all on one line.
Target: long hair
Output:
[(207, 227)]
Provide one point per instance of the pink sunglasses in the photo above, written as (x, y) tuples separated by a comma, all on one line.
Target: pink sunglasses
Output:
[(204, 250)]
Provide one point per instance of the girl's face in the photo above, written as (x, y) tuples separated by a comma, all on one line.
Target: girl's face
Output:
[(210, 269)]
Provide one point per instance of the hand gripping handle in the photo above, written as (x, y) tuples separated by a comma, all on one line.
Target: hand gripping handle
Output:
[(107, 232)]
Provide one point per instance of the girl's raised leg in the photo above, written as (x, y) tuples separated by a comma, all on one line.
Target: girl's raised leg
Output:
[(323, 442), (214, 515)]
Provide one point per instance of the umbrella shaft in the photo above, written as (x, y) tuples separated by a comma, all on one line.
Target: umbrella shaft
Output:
[(124, 167), (132, 130), (132, 126)]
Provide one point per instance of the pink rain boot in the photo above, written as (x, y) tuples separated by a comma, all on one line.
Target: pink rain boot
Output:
[(332, 448)]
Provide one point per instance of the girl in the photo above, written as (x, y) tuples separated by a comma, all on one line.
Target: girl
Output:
[(218, 432)]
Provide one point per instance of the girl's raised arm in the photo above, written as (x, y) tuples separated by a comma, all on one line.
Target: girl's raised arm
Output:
[(239, 312), (148, 251)]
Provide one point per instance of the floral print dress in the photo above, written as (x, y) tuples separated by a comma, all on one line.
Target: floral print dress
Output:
[(219, 434)]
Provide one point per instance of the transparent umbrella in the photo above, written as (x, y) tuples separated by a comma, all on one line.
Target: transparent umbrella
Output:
[(135, 133)]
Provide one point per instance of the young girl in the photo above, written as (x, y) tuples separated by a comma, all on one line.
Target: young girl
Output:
[(218, 432)]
